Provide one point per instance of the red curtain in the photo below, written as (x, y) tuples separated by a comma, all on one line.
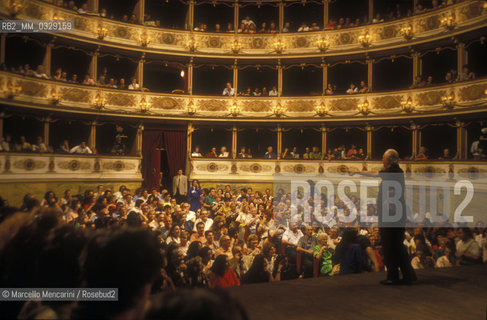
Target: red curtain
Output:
[(175, 144), (151, 157)]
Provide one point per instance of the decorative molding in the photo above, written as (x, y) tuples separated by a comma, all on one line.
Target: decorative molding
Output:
[(74, 165), (468, 96), (265, 170), (75, 95), (430, 98), (31, 88), (118, 166), (30, 167), (29, 164), (387, 102), (472, 93), (120, 99), (165, 103), (387, 35)]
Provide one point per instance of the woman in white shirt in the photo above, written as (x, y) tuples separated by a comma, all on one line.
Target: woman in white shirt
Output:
[(196, 153), (353, 89)]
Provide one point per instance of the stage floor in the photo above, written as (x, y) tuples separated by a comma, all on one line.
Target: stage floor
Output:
[(458, 293)]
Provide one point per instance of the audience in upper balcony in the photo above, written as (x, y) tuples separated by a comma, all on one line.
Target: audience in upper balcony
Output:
[(269, 153), (58, 74), (88, 80), (101, 81), (422, 155), (249, 26), (196, 153), (377, 19), (273, 92), (121, 84), (287, 27), (352, 89), (148, 21), (466, 74), (84, 8), (39, 146), (243, 153), (40, 73), (223, 152), (294, 153), (314, 153), (4, 145), (64, 148), (449, 77), (363, 87), (81, 149), (212, 153), (228, 91), (23, 146), (134, 85), (303, 28), (446, 155), (418, 83), (329, 89)]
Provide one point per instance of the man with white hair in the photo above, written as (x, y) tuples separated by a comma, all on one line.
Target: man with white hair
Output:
[(391, 209), (392, 233)]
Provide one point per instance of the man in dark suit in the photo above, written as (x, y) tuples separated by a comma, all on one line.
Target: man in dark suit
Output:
[(392, 230), (180, 186)]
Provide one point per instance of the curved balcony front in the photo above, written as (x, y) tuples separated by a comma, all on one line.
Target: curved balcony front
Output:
[(465, 16), (451, 99)]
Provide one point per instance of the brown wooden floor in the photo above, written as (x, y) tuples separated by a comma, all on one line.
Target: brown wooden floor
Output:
[(458, 293)]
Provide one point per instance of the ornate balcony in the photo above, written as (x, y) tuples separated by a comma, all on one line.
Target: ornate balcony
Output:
[(264, 170), (37, 173), (37, 167), (456, 98), (467, 16)]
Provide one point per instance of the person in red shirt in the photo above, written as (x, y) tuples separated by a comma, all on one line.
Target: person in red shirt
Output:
[(422, 154), (212, 153), (221, 274)]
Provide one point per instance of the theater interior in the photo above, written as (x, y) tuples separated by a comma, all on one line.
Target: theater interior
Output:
[(167, 148)]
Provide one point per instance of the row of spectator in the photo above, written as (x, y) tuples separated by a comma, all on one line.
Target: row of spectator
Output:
[(247, 25), (211, 238), (59, 75), (22, 145), (312, 153), (105, 80), (450, 77)]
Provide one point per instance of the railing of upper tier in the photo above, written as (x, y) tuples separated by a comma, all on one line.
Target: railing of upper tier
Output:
[(31, 167), (441, 23), (260, 170), (456, 98)]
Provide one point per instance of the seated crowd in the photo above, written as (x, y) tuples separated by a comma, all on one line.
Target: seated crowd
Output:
[(314, 153), (104, 79), (108, 81), (7, 144), (259, 92), (247, 25), (338, 153), (211, 238), (450, 77)]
